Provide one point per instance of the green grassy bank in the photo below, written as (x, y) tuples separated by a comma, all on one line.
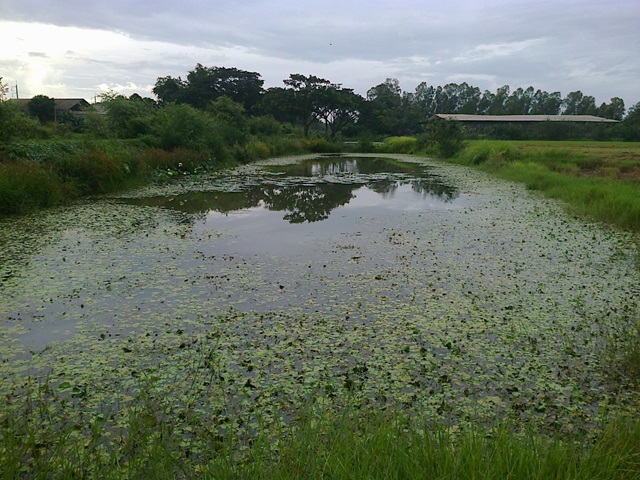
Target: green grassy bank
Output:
[(45, 173), (597, 180), (38, 441)]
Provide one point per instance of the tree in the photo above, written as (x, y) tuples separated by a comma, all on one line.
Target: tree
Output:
[(519, 102), (130, 117), (205, 84), (339, 107), (499, 100), (577, 103), (446, 136), (545, 103), (613, 110), (231, 120), (385, 112), (631, 124), (43, 108), (300, 100), (4, 90), (169, 89)]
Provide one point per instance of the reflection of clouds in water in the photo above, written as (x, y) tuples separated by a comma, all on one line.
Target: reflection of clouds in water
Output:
[(400, 197), (365, 197)]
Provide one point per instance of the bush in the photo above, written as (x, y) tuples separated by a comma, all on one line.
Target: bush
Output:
[(445, 137), (490, 153), (16, 125), (94, 172), (26, 185), (400, 145), (264, 126), (257, 149), (320, 145), (182, 126)]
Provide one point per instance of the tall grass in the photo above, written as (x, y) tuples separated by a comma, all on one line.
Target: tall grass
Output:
[(399, 145), (26, 185), (574, 177), (38, 441)]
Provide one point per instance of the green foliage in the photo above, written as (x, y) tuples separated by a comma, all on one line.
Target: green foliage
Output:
[(560, 173), (15, 125), (399, 145), (623, 355), (256, 150), (26, 185), (206, 84), (96, 172), (43, 108), (488, 153), (38, 441), (130, 117), (231, 123), (4, 90), (320, 145), (182, 126), (445, 137), (264, 126)]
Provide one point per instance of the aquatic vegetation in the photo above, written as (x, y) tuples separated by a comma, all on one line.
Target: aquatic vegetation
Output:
[(484, 305)]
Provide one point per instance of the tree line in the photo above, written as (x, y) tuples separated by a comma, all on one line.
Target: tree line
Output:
[(314, 104), (386, 109)]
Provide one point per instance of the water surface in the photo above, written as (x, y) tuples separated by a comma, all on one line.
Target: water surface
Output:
[(401, 280)]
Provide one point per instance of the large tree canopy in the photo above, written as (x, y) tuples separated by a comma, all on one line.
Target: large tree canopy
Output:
[(43, 108), (206, 84), (309, 99)]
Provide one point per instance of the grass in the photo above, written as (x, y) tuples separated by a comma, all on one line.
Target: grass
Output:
[(38, 441), (598, 180), (26, 185)]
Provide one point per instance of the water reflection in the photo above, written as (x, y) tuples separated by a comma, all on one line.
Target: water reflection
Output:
[(334, 184)]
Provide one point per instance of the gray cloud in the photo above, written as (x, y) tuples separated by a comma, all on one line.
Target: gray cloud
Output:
[(561, 45)]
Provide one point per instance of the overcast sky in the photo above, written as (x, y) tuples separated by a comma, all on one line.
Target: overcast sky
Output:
[(80, 48)]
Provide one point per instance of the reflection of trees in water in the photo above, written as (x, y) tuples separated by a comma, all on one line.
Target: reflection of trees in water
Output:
[(346, 165), (428, 187), (312, 202), (304, 203)]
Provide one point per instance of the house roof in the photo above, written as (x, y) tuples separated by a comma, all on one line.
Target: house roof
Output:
[(521, 118), (74, 104)]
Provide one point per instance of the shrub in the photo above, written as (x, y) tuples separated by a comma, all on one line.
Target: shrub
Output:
[(94, 172), (319, 145), (182, 126), (400, 145), (264, 125), (445, 137), (26, 185), (257, 149), (489, 152)]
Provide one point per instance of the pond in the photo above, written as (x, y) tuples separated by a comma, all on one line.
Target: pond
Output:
[(385, 281)]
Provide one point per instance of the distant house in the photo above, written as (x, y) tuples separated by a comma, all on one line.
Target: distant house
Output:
[(76, 106)]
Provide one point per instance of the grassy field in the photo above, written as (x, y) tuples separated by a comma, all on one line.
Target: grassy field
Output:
[(597, 180)]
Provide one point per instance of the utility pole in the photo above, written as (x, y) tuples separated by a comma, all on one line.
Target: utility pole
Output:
[(16, 89)]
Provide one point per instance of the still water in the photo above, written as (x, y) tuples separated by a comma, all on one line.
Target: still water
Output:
[(314, 199), (411, 281)]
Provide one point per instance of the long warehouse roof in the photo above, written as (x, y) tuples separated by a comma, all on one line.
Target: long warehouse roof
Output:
[(521, 118)]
